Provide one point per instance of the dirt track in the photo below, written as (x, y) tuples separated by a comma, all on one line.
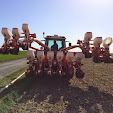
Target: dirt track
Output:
[(93, 94), (11, 66)]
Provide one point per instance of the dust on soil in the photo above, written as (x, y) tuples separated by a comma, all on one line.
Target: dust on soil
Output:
[(93, 94)]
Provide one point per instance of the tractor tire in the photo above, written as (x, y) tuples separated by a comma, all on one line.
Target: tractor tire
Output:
[(79, 74)]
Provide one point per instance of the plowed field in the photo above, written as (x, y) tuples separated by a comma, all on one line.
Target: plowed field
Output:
[(92, 94)]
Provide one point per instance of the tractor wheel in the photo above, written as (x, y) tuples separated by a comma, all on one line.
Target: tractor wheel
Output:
[(96, 59), (79, 74)]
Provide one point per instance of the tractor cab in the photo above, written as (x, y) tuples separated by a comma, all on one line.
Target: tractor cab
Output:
[(60, 41)]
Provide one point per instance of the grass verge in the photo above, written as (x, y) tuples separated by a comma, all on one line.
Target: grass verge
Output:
[(10, 96), (4, 58), (7, 79)]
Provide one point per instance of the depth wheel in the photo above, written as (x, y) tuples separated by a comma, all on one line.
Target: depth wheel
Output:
[(79, 74), (70, 73), (107, 60)]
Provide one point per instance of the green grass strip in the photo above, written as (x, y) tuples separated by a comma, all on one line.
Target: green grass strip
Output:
[(9, 57), (13, 94), (7, 79)]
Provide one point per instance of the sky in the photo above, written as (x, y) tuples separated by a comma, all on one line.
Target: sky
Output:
[(69, 18)]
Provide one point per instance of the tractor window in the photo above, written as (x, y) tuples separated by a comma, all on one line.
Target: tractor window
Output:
[(59, 44), (51, 42)]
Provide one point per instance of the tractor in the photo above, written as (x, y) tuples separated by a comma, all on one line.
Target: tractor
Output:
[(56, 63)]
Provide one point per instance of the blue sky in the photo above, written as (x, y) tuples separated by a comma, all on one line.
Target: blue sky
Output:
[(70, 18)]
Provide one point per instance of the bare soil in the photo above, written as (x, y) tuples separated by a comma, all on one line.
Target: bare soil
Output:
[(92, 94)]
